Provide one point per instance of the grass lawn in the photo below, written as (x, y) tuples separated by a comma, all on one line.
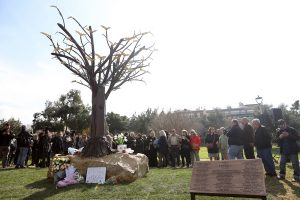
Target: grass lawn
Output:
[(159, 184)]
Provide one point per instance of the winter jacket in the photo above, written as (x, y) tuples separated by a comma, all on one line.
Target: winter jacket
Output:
[(195, 142), (288, 145), (23, 139), (212, 138), (235, 136), (248, 134), (262, 139), (162, 145)]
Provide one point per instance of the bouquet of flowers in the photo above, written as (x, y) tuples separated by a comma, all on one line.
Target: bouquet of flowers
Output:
[(120, 138), (60, 163)]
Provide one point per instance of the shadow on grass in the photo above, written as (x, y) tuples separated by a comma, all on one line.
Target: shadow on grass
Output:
[(275, 187), (49, 189), (294, 187)]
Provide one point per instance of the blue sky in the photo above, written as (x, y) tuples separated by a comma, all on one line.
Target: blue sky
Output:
[(210, 53)]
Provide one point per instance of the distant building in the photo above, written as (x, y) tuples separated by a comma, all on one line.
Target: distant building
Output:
[(247, 110)]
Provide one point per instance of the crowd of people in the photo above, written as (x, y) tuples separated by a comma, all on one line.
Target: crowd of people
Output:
[(40, 147), (164, 148), (237, 142)]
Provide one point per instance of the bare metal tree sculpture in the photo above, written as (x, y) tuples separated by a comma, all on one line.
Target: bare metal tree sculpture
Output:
[(126, 61)]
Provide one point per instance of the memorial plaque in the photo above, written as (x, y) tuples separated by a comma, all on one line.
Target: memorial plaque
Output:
[(96, 175), (229, 177)]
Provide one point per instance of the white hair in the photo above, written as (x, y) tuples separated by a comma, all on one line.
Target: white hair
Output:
[(162, 133), (257, 121), (245, 119)]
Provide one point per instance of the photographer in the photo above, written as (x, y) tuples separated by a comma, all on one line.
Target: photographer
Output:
[(286, 138)]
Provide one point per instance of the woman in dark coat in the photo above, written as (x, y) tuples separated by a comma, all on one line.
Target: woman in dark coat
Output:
[(162, 149), (150, 149), (139, 144), (211, 141)]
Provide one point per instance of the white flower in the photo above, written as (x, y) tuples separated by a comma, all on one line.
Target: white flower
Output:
[(125, 139), (115, 137)]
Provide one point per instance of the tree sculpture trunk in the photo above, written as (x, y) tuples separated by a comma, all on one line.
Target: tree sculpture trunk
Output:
[(98, 112), (97, 146)]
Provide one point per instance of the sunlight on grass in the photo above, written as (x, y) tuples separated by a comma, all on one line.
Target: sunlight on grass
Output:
[(158, 184)]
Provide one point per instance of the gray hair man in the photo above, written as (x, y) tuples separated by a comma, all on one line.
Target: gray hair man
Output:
[(262, 142), (248, 139)]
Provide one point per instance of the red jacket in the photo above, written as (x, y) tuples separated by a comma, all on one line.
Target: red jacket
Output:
[(195, 142)]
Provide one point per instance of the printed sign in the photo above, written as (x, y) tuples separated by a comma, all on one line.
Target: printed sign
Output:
[(96, 175)]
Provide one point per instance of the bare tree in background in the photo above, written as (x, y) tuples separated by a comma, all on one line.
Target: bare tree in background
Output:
[(176, 120), (126, 61)]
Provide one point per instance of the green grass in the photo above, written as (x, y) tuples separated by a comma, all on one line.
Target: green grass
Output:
[(158, 184)]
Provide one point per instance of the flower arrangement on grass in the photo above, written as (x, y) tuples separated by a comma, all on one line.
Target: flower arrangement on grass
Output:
[(120, 138)]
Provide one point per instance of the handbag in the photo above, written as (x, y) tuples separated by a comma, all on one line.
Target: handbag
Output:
[(211, 145)]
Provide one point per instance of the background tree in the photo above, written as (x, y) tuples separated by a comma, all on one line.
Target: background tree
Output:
[(126, 61), (71, 111), (116, 122), (292, 115), (68, 112), (175, 120), (141, 123)]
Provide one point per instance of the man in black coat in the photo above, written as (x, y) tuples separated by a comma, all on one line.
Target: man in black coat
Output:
[(5, 138), (248, 139), (286, 138), (263, 144), (23, 142), (235, 141)]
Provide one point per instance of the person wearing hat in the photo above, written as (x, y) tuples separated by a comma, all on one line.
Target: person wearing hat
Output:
[(286, 138)]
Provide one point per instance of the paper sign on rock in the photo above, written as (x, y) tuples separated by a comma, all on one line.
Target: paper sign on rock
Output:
[(96, 175)]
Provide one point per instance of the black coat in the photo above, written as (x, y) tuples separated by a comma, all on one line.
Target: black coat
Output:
[(57, 145), (162, 145), (5, 138), (290, 141), (23, 139), (139, 146), (248, 134), (262, 138), (212, 138), (235, 136)]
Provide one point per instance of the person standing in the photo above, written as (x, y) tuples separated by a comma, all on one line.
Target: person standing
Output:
[(195, 141), (211, 141), (151, 151), (162, 149), (248, 139), (262, 142), (23, 142), (286, 138), (223, 144), (5, 138), (185, 150), (235, 141), (174, 145), (57, 144)]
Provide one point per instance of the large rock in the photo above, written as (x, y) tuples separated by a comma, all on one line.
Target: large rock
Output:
[(121, 167)]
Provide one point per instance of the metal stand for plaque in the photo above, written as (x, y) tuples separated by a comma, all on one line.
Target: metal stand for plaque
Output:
[(193, 195)]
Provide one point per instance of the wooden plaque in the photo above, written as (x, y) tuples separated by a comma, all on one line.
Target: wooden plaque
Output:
[(229, 178)]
